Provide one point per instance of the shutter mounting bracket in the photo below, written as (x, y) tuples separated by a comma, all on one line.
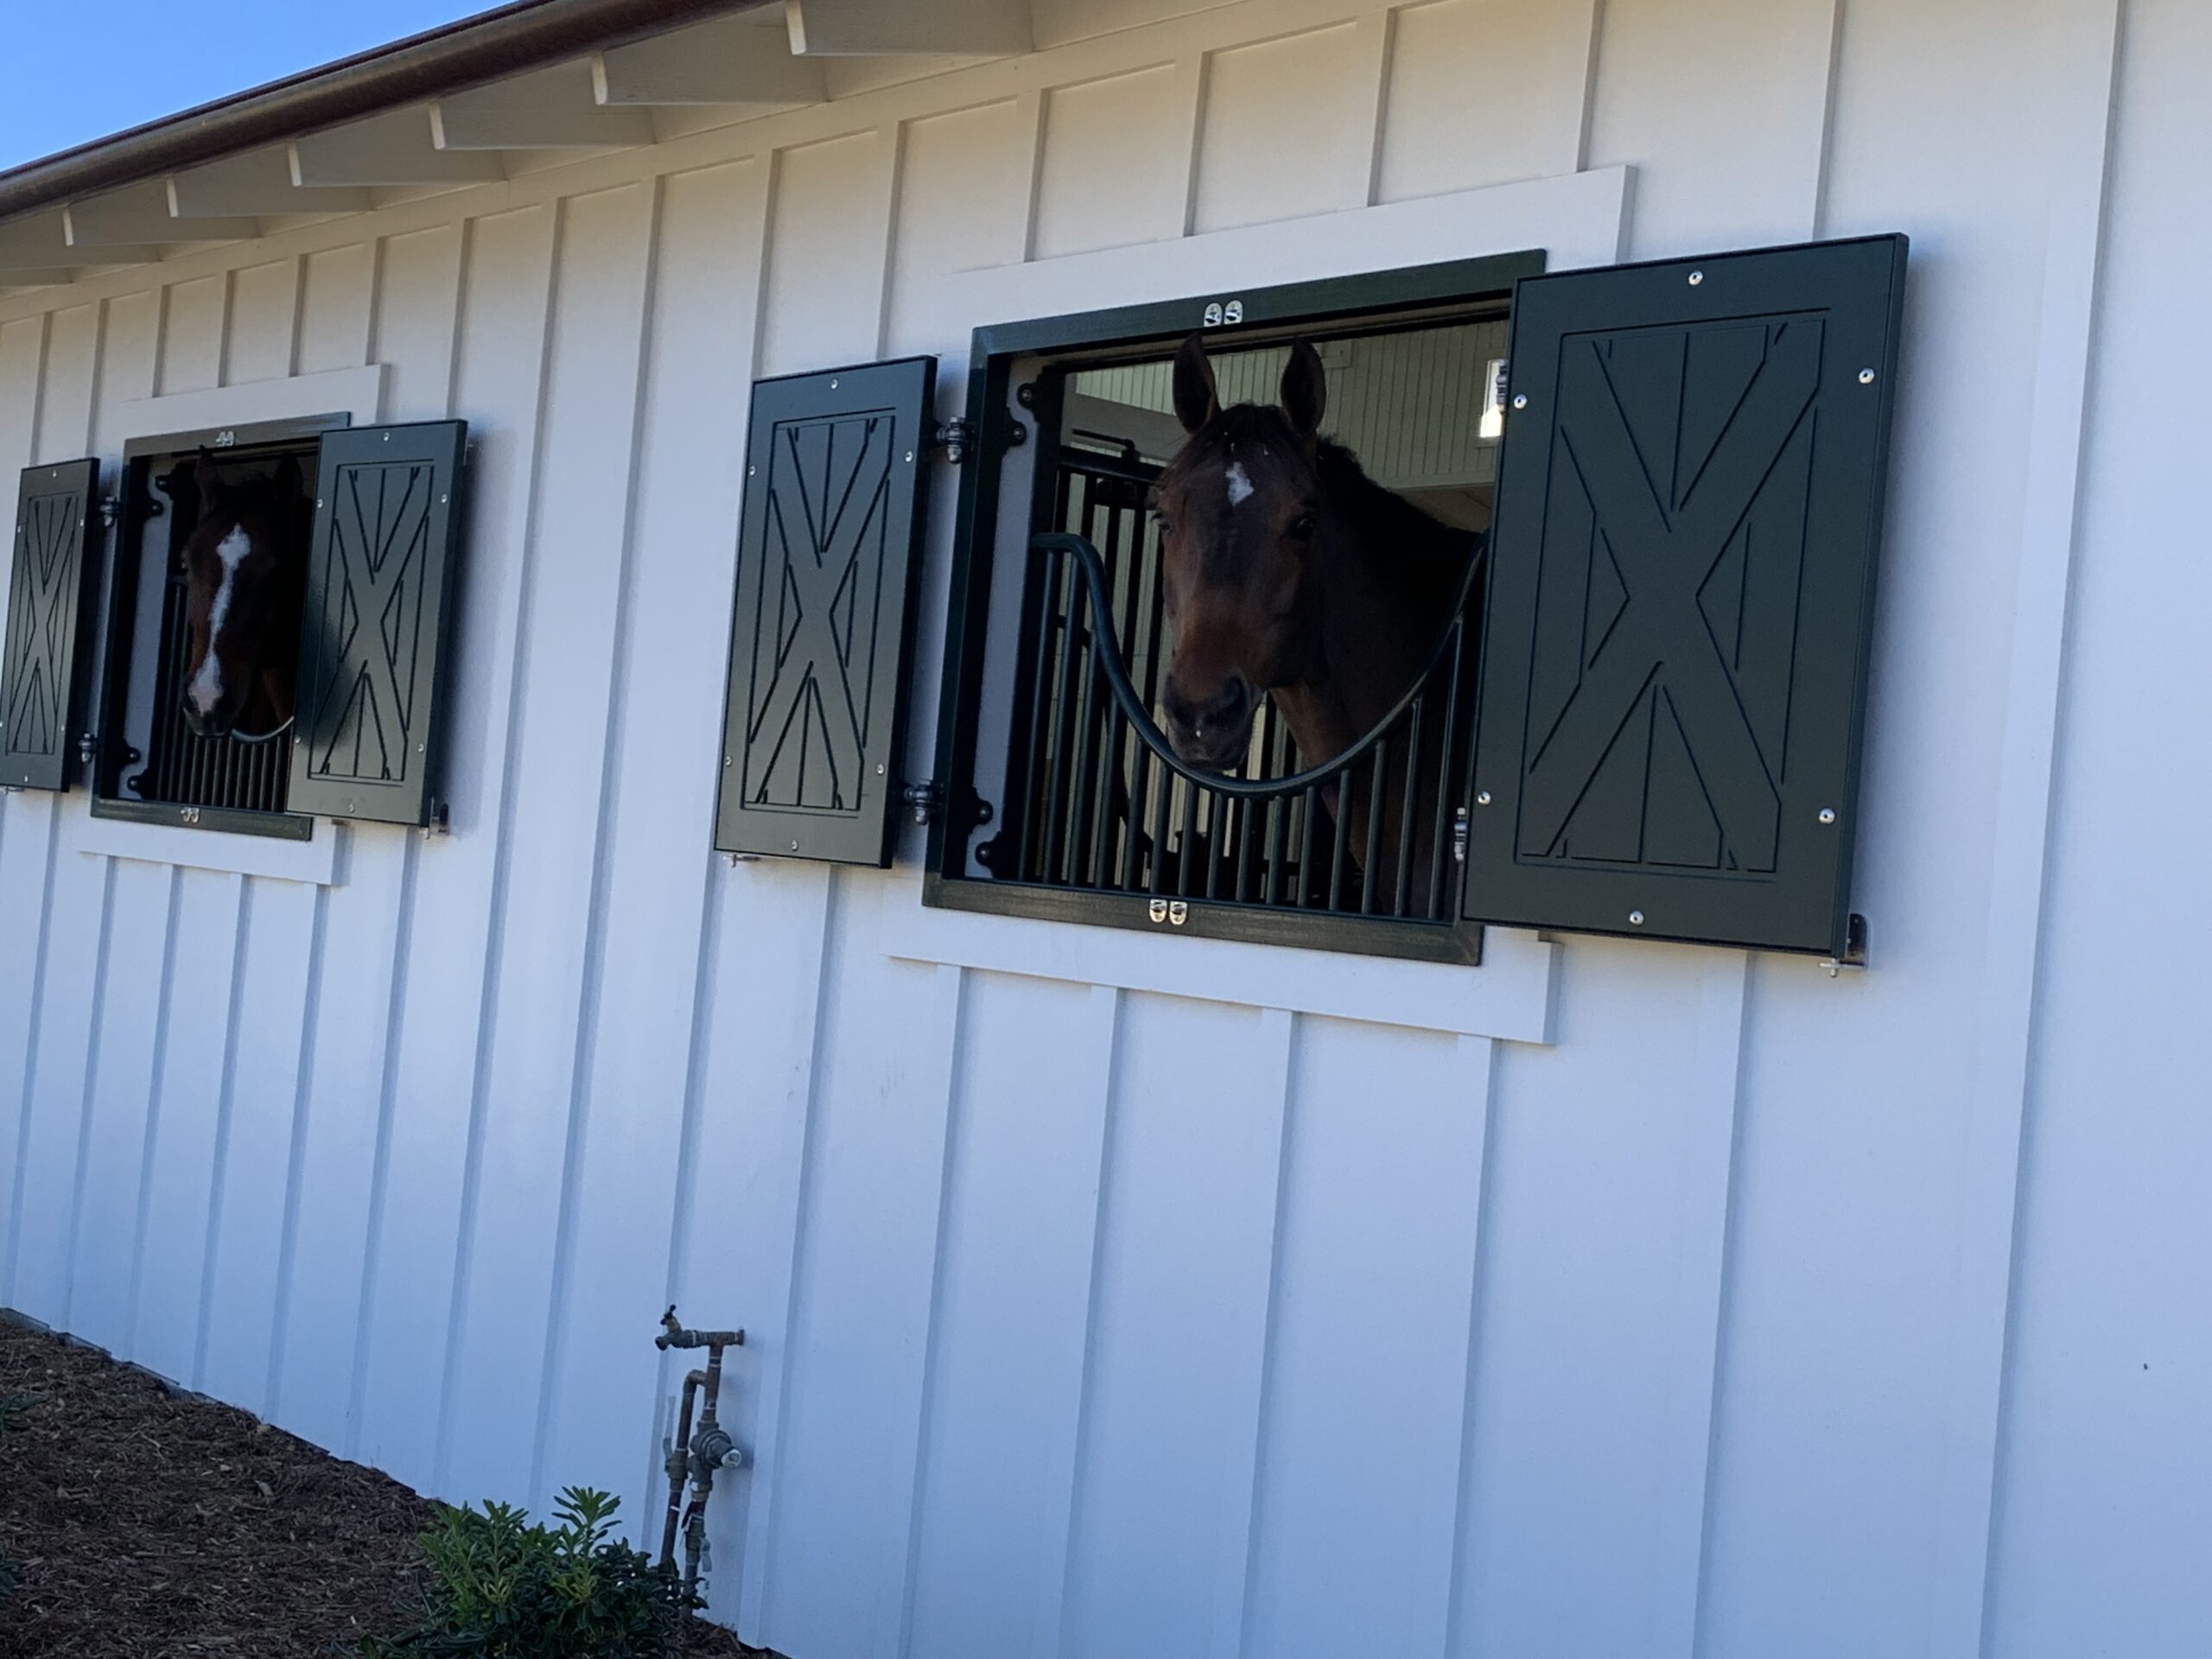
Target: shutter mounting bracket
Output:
[(1854, 948)]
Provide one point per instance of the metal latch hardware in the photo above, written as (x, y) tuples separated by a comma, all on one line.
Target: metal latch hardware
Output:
[(1854, 948), (925, 798), (954, 437)]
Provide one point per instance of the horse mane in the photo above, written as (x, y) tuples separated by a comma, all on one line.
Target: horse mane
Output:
[(1423, 549)]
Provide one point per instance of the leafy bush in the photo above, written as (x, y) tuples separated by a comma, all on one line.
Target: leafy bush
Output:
[(502, 1589)]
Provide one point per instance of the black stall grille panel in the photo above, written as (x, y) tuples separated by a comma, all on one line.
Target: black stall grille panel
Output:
[(182, 767), (1092, 808)]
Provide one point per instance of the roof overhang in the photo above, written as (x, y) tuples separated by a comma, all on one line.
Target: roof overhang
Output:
[(465, 103)]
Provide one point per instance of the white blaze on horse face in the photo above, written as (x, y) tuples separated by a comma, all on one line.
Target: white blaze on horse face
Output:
[(1240, 485), (207, 687)]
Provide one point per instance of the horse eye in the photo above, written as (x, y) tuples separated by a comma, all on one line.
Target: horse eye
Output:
[(1302, 527)]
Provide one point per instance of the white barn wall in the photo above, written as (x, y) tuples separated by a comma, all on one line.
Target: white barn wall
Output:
[(1077, 1312)]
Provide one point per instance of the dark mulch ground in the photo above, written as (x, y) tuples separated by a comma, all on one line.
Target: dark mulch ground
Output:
[(148, 1524)]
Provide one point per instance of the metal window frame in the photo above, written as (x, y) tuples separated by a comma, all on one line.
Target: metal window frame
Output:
[(1264, 315), (119, 624)]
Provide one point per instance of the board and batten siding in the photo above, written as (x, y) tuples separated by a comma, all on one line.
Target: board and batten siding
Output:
[(1759, 1311)]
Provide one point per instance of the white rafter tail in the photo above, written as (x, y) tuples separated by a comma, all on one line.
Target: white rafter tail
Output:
[(257, 184), (861, 28), (139, 214), (548, 109), (391, 149), (729, 60), (32, 276), (36, 250)]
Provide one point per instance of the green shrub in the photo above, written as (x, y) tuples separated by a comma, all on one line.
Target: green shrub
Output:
[(500, 1588)]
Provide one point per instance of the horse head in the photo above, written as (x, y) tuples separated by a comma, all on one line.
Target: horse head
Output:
[(244, 565), (1243, 524)]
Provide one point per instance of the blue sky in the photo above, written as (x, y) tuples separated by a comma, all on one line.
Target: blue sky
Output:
[(81, 71)]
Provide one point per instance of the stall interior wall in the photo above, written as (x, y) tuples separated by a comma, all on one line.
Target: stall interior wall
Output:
[(1762, 1312)]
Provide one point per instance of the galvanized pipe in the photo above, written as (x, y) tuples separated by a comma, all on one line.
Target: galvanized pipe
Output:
[(693, 1455)]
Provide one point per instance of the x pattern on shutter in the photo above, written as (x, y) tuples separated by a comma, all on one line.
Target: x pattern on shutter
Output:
[(1682, 584), (823, 627), (378, 612), (49, 596)]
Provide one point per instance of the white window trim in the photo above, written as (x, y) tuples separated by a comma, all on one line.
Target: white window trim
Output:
[(1578, 220), (357, 393)]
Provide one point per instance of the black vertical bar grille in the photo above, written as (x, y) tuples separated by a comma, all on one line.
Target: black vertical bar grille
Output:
[(1099, 805)]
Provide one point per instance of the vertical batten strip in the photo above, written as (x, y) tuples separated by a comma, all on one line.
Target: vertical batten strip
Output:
[(803, 1094), (1239, 1518), (66, 1276), (395, 1017), (1190, 122), (280, 1300), (1477, 1062), (891, 141), (1705, 1192), (590, 992), (2080, 127), (164, 1011), (380, 1157), (951, 992), (502, 878), (226, 1097), (1590, 19), (1056, 1542), (20, 819), (496, 368), (1373, 37), (1029, 120)]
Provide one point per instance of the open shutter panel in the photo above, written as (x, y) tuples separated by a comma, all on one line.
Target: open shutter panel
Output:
[(379, 609), (814, 728), (1680, 597), (49, 618)]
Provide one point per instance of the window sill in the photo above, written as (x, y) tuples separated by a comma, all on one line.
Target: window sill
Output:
[(314, 860), (1508, 997)]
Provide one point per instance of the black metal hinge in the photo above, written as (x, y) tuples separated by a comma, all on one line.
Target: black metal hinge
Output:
[(956, 437)]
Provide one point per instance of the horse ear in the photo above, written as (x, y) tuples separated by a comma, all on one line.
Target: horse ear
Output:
[(1195, 400), (1305, 389), (208, 481)]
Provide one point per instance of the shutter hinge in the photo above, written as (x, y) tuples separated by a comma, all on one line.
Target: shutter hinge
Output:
[(925, 798), (1459, 836), (88, 747), (441, 817), (111, 510), (1854, 948), (956, 437)]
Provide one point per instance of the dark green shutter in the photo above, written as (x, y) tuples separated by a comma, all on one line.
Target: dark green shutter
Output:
[(836, 468), (379, 610), (1682, 585), (48, 627)]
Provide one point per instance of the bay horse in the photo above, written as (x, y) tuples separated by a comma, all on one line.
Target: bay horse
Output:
[(245, 574), (1288, 573)]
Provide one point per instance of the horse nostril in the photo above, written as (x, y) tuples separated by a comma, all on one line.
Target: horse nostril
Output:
[(1236, 698)]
